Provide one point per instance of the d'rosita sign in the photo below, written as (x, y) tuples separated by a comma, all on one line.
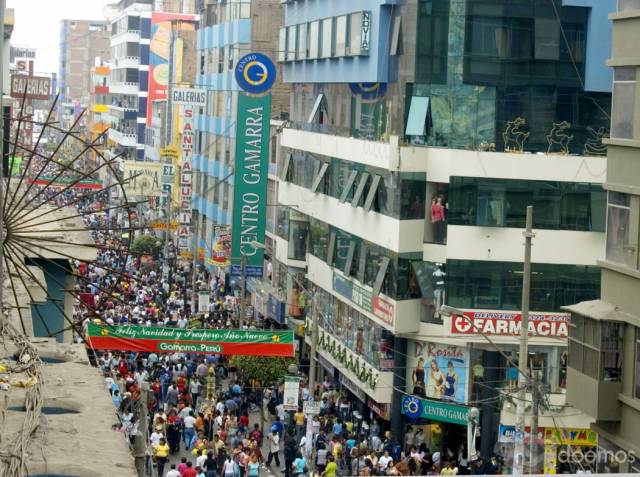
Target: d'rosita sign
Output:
[(148, 339)]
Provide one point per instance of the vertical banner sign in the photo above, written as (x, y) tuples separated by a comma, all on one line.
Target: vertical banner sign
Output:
[(160, 52), (250, 194), (291, 393), (203, 301), (186, 178)]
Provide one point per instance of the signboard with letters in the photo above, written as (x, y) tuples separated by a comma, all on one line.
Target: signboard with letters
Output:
[(416, 408), (507, 323), (250, 191), (189, 97), (30, 87), (146, 339), (364, 298)]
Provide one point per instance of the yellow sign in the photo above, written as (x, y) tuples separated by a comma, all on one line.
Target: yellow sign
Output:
[(186, 255), (570, 437), (162, 225), (169, 151), (143, 178), (550, 459)]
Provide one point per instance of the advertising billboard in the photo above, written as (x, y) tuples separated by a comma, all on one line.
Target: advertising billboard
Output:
[(250, 188), (438, 371), (143, 178), (165, 28), (147, 339)]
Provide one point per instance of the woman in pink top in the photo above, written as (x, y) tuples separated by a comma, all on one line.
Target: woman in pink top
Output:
[(438, 219)]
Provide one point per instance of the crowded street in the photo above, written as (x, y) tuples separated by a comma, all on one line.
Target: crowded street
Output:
[(319, 238)]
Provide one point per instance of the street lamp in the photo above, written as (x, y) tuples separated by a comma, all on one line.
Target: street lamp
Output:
[(472, 428)]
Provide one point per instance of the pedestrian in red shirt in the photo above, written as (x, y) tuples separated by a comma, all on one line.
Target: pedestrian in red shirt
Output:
[(189, 471)]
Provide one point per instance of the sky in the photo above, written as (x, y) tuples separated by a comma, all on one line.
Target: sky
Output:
[(38, 25)]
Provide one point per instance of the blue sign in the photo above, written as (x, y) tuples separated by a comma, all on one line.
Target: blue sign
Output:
[(276, 309), (369, 90), (251, 271), (255, 73), (412, 407)]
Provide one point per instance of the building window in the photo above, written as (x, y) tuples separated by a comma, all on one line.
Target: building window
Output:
[(326, 50), (302, 41), (595, 348), (292, 36), (624, 100), (547, 39), (355, 33), (314, 39), (341, 36), (282, 45), (498, 285), (503, 203), (620, 246)]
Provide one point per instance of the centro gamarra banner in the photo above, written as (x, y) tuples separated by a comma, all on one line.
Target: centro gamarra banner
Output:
[(147, 339)]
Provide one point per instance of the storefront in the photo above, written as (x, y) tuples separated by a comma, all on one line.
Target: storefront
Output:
[(442, 426), (568, 450)]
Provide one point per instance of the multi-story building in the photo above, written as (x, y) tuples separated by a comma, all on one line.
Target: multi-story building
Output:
[(80, 42), (99, 98), (130, 38), (227, 32), (419, 133), (604, 341)]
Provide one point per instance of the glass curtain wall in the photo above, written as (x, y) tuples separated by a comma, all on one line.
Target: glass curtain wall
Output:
[(503, 203), (484, 64), (498, 285)]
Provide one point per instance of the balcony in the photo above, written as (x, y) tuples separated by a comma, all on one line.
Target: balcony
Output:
[(402, 236), (377, 154), (503, 244), (124, 113), (128, 139), (128, 88)]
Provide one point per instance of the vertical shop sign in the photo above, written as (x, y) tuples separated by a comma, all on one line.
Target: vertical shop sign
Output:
[(186, 172), (291, 393), (250, 188)]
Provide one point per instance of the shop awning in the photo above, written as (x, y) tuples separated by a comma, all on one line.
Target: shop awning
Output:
[(602, 311)]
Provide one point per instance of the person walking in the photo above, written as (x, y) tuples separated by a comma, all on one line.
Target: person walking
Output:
[(161, 454), (274, 448), (189, 429)]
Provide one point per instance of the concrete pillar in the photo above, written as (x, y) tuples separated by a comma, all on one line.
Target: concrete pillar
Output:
[(399, 383)]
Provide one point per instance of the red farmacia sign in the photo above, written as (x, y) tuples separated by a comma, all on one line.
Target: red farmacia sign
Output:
[(508, 323)]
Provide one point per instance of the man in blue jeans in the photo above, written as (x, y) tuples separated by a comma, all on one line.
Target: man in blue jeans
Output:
[(189, 429)]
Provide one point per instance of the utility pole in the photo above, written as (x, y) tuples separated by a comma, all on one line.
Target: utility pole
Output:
[(533, 440), (519, 448), (194, 271), (314, 345)]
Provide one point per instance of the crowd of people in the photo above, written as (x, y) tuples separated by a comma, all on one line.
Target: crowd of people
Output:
[(195, 415)]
